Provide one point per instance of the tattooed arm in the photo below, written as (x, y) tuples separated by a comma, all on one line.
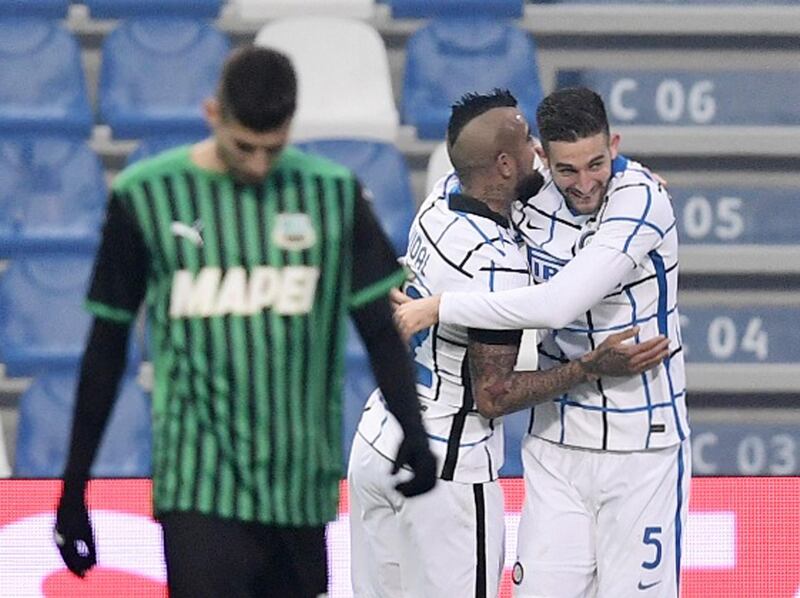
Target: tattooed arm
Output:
[(499, 390)]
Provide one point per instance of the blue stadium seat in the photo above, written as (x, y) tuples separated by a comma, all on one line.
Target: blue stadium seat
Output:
[(515, 426), (448, 58), (383, 171), (156, 72), (52, 9), (150, 146), (42, 322), (735, 215), (52, 193), (419, 9), (753, 334), (697, 98), (358, 385), (45, 420), (42, 87), (121, 9)]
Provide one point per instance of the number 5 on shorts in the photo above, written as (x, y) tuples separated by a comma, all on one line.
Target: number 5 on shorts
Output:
[(650, 538)]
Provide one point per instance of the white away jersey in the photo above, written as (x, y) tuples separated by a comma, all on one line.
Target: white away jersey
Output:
[(636, 219), (455, 243)]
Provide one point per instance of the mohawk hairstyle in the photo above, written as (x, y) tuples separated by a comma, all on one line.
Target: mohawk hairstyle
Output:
[(571, 114), (472, 105)]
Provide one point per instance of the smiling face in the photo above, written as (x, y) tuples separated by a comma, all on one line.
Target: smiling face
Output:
[(582, 169)]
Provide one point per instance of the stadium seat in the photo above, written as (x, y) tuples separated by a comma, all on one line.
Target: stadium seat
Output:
[(438, 165), (449, 58), (45, 421), (155, 74), (697, 98), (5, 466), (383, 172), (150, 146), (52, 194), (42, 322), (52, 9), (42, 87), (741, 334), (261, 10), (345, 88), (420, 9), (358, 385), (121, 9), (515, 426), (737, 229)]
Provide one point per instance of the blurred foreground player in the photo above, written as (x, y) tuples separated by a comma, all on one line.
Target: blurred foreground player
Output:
[(249, 256)]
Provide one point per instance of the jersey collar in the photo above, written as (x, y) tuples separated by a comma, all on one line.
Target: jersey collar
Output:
[(459, 202)]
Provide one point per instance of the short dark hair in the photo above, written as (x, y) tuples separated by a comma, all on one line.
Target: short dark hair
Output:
[(571, 114), (472, 105), (258, 88)]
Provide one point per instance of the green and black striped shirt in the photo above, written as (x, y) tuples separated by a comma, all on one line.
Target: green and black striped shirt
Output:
[(248, 288)]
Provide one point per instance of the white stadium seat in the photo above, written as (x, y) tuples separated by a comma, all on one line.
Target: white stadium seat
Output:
[(345, 89), (438, 165), (260, 10)]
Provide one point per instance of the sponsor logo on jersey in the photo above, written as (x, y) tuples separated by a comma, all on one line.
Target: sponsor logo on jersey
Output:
[(189, 232), (517, 573), (293, 232), (542, 271), (647, 586), (215, 292)]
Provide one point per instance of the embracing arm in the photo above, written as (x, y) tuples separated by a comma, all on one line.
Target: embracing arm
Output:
[(580, 285), (499, 390)]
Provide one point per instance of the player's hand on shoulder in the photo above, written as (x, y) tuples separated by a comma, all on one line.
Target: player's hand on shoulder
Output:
[(73, 535), (415, 454), (615, 357)]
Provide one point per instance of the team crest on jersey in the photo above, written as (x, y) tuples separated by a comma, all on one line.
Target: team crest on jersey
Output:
[(517, 573), (293, 231), (585, 238)]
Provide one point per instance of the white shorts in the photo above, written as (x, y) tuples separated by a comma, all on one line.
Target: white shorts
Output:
[(601, 523), (447, 542)]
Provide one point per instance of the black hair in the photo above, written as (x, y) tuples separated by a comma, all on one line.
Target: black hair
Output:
[(472, 105), (258, 88), (571, 114)]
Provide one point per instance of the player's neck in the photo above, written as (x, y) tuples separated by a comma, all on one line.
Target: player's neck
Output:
[(496, 197), (205, 155)]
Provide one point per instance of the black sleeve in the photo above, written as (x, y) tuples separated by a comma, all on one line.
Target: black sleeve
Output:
[(391, 363), (120, 273), (375, 267), (101, 370), (495, 337)]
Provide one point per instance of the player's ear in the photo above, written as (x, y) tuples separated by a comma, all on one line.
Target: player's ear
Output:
[(504, 166), (613, 145), (212, 112), (539, 149)]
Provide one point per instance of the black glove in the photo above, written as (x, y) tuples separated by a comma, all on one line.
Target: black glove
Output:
[(415, 452), (73, 535)]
